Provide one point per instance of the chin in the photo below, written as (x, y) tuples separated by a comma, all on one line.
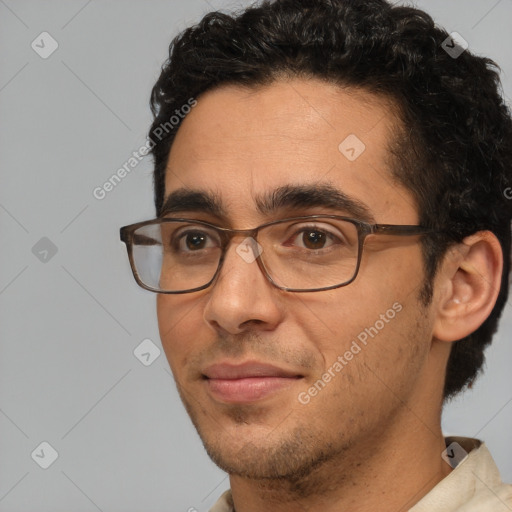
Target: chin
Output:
[(267, 454)]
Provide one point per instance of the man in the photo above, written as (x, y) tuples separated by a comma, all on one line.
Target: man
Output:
[(313, 354)]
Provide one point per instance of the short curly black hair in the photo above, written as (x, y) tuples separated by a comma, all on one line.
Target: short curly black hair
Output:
[(454, 151)]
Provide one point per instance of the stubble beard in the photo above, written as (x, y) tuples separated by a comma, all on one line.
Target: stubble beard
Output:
[(292, 461)]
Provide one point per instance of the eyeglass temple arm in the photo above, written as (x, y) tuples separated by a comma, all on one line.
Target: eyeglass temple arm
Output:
[(403, 230)]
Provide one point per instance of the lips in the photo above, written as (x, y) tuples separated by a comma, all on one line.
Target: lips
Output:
[(246, 370), (247, 382)]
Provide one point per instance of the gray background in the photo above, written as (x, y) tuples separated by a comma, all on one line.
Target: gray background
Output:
[(70, 321)]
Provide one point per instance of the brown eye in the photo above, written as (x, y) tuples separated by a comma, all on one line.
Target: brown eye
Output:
[(190, 240), (313, 239), (195, 241)]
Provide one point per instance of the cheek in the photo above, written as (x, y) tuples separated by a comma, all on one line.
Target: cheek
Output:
[(372, 324), (333, 319), (179, 324), (365, 380), (396, 269)]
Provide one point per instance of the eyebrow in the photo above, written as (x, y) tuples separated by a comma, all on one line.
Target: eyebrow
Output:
[(288, 197)]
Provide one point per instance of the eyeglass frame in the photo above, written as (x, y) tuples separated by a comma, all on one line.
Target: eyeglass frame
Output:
[(364, 229)]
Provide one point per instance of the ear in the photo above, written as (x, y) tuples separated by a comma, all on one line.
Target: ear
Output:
[(469, 282)]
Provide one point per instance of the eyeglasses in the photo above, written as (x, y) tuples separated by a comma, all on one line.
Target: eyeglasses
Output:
[(300, 254)]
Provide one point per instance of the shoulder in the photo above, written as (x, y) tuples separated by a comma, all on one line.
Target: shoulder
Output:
[(474, 485), (224, 503)]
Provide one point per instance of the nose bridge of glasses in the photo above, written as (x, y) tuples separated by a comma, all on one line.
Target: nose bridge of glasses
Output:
[(237, 237)]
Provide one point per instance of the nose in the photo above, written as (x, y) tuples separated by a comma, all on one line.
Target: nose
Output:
[(241, 298)]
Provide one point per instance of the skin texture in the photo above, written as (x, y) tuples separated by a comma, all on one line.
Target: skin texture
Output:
[(371, 438)]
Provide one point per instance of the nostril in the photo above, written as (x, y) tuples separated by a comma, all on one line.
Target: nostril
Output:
[(249, 323)]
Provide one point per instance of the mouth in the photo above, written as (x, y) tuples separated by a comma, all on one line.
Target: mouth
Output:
[(248, 382)]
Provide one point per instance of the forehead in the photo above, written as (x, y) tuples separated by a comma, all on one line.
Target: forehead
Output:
[(239, 144)]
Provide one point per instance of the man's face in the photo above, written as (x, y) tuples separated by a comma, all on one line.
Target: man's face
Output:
[(240, 146)]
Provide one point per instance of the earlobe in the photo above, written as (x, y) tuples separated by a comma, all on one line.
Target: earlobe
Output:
[(470, 280)]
